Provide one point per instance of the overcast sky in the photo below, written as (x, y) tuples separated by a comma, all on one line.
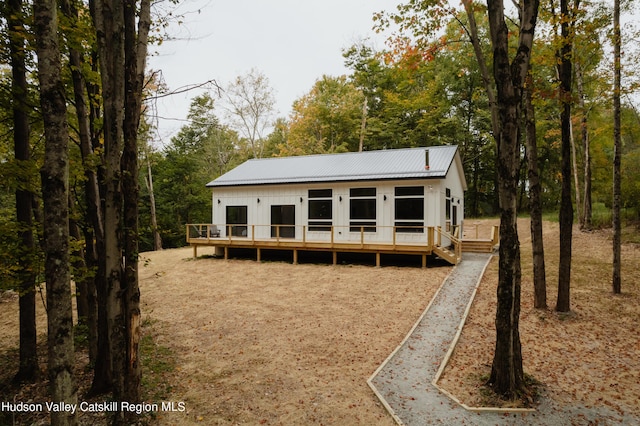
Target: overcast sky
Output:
[(292, 42)]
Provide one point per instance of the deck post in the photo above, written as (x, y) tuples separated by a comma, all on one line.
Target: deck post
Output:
[(195, 251), (424, 261), (335, 258), (430, 236), (258, 254), (394, 237), (226, 253), (295, 256), (377, 259)]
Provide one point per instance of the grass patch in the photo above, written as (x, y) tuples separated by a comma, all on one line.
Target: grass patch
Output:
[(158, 364)]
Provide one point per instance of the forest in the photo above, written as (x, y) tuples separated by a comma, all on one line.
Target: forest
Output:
[(546, 124)]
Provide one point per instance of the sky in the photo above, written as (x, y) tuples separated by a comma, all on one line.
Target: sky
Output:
[(292, 42)]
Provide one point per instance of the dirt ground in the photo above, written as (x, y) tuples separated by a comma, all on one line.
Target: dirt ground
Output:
[(590, 356), (275, 343)]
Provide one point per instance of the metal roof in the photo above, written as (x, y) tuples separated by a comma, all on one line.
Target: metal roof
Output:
[(406, 163)]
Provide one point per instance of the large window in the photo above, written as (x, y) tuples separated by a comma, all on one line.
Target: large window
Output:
[(237, 220), (409, 209), (362, 210), (281, 216), (320, 209)]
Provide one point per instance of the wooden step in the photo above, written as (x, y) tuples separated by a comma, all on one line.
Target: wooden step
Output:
[(446, 254), (477, 246)]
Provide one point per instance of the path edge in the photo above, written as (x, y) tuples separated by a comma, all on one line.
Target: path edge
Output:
[(382, 399), (452, 347)]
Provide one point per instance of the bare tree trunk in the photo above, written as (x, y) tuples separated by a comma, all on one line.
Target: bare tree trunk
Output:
[(91, 192), (576, 181), (122, 57), (157, 239), (29, 369), (102, 378), (108, 20), (79, 266), (585, 217), (535, 206), (617, 155), (55, 175), (566, 207), (135, 49), (363, 125), (507, 375)]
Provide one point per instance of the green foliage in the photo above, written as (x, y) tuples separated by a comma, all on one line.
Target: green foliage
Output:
[(327, 119), (199, 153)]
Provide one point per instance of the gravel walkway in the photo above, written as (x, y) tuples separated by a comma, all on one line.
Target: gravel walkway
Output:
[(404, 381)]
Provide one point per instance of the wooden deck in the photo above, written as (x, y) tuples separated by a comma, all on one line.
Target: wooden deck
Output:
[(426, 242)]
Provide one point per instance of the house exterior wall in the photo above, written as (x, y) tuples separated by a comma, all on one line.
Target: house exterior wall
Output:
[(259, 214), (452, 213)]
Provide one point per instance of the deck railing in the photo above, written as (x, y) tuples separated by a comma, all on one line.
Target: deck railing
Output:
[(379, 239), (350, 234)]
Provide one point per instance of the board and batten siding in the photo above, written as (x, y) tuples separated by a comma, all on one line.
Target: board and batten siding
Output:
[(259, 213)]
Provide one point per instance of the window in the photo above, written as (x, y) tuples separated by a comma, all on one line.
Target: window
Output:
[(362, 210), (320, 209), (280, 217), (237, 220), (409, 209)]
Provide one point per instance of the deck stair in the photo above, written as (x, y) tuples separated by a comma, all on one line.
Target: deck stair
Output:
[(446, 254), (478, 246)]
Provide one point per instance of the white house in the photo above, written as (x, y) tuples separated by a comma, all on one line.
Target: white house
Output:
[(396, 201)]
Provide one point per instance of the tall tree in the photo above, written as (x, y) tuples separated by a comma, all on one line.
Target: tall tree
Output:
[(108, 17), (249, 103), (148, 180), (617, 153), (29, 369), (137, 22), (122, 34), (535, 204), (327, 119), (507, 375), (55, 173), (94, 232), (564, 54)]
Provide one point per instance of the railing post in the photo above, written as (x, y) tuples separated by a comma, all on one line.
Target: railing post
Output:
[(253, 233), (361, 236), (430, 236), (332, 228), (394, 237)]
